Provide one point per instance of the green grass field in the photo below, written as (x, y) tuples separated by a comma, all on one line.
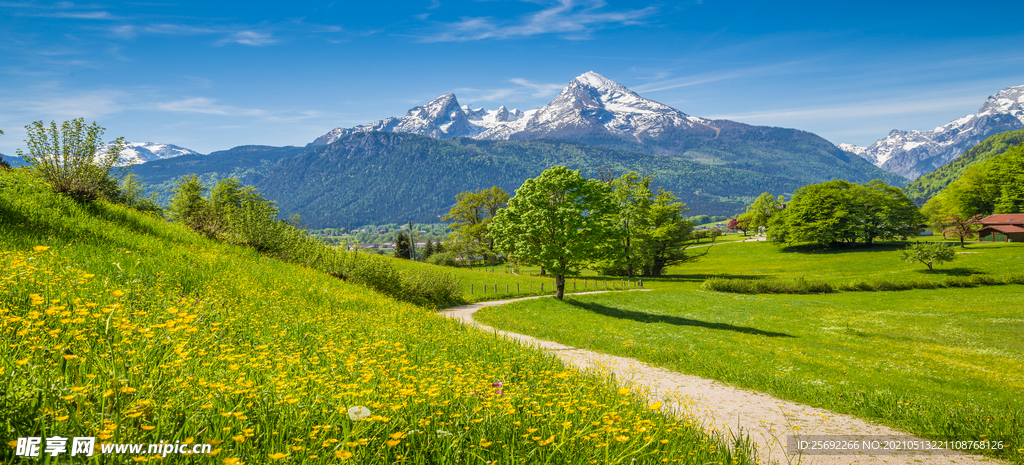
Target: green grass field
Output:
[(942, 363), (133, 330)]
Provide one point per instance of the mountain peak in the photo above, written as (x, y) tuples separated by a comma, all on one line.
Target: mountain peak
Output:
[(596, 81), (1009, 100)]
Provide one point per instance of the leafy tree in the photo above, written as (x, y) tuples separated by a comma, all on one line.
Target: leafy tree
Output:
[(883, 212), (761, 211), (473, 211), (68, 158), (962, 228), (714, 233), (837, 212), (671, 233), (402, 247), (130, 193), (740, 223), (995, 185), (929, 253), (188, 202), (632, 196), (554, 220)]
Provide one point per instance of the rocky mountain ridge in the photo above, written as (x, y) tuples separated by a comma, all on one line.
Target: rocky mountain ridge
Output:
[(914, 153)]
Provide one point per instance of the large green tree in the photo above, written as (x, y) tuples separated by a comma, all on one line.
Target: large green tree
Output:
[(70, 158), (761, 211), (837, 212), (670, 232), (472, 212), (554, 221), (632, 196), (995, 185)]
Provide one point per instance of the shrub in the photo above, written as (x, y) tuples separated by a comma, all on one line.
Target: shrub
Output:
[(768, 286), (442, 259), (70, 158)]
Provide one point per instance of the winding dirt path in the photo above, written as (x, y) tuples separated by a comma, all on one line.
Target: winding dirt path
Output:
[(770, 422)]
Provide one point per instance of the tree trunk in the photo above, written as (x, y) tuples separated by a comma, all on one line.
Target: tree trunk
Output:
[(560, 284), (542, 273), (962, 242)]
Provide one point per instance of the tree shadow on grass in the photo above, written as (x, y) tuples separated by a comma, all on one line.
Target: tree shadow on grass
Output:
[(844, 248), (701, 277), (673, 320), (949, 271)]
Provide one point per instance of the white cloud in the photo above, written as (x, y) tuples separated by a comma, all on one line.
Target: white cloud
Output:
[(206, 106), (523, 89), (573, 19), (253, 38), (89, 104), (859, 111)]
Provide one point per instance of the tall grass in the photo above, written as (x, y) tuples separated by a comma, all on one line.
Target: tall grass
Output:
[(127, 328)]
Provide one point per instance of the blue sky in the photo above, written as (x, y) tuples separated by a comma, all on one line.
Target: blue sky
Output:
[(210, 76)]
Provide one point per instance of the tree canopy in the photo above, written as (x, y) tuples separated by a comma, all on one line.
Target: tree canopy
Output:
[(995, 185), (840, 212), (554, 221)]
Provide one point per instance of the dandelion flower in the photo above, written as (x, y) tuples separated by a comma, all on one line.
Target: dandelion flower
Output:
[(40, 248), (342, 454), (277, 456)]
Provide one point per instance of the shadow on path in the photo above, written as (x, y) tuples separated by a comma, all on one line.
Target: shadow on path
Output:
[(672, 320)]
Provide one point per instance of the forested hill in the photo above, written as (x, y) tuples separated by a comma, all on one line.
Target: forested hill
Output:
[(396, 177), (247, 163), (926, 186)]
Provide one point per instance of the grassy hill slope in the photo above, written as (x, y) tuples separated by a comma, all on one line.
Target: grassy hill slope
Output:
[(926, 186), (123, 327)]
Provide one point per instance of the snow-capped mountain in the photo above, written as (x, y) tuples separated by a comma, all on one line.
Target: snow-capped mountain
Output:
[(594, 110), (591, 105), (914, 153), (852, 148), (141, 152)]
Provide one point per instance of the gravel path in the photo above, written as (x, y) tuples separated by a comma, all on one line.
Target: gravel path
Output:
[(770, 422)]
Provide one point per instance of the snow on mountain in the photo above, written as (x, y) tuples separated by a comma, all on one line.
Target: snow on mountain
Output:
[(852, 148), (594, 105), (914, 153), (590, 105), (142, 152)]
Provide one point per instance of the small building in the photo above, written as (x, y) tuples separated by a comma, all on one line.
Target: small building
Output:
[(1006, 227)]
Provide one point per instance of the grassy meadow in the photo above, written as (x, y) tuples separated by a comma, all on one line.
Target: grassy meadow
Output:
[(943, 363), (129, 329)]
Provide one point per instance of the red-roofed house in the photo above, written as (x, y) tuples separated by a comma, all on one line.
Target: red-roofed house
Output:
[(1006, 227)]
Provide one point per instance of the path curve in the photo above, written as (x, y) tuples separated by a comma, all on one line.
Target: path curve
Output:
[(769, 421)]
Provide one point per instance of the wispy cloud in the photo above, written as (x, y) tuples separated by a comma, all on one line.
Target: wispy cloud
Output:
[(206, 106), (573, 19), (253, 38), (522, 89), (705, 78), (881, 108), (87, 104)]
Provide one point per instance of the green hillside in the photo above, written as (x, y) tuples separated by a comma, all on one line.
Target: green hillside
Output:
[(247, 163), (373, 178), (925, 187), (124, 327)]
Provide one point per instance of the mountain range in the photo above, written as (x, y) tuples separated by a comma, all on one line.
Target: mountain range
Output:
[(595, 110), (914, 153)]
